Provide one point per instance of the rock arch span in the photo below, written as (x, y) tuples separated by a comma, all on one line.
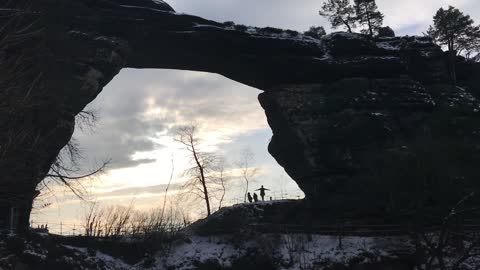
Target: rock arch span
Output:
[(335, 105)]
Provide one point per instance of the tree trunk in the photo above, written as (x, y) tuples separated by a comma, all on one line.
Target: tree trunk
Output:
[(205, 193), (246, 191), (452, 57), (202, 177), (348, 26), (370, 28)]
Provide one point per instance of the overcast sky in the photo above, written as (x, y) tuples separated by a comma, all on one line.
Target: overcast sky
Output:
[(405, 16), (139, 108)]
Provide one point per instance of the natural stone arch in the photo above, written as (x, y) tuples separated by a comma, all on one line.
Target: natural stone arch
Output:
[(314, 89)]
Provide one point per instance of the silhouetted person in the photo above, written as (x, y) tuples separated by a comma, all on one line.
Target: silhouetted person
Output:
[(262, 192), (255, 197), (249, 196)]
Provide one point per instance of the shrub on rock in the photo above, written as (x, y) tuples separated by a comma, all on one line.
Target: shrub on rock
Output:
[(386, 31)]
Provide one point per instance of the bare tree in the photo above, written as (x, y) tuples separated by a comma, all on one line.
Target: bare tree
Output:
[(454, 29), (221, 179), (248, 172), (93, 220), (451, 246), (367, 14), (117, 221), (112, 221), (339, 13), (202, 164), (19, 78), (66, 169), (22, 96), (167, 188)]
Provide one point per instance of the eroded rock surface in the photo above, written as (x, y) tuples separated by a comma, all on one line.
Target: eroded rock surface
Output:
[(338, 106)]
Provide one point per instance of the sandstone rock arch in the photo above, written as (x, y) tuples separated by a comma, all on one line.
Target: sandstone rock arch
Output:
[(332, 103)]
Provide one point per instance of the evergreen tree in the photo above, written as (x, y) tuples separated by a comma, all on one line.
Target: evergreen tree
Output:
[(367, 14), (339, 13), (386, 31), (316, 32), (457, 32)]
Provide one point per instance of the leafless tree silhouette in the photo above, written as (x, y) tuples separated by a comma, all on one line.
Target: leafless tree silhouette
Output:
[(452, 245), (248, 172), (198, 183)]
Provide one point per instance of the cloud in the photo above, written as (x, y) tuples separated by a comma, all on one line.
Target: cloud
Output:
[(299, 15), (132, 191), (119, 139), (140, 106), (416, 15)]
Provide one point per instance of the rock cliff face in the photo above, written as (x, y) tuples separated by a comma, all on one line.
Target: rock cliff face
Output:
[(377, 142), (338, 107)]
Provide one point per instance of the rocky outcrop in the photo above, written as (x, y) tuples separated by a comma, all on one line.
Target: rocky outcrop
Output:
[(337, 106), (345, 142), (378, 143)]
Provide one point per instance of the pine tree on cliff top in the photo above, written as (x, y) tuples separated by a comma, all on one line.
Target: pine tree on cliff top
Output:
[(457, 32), (367, 14), (339, 13), (316, 32)]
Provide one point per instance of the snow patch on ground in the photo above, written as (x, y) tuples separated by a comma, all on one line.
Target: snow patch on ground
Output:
[(111, 262), (292, 251), (201, 249)]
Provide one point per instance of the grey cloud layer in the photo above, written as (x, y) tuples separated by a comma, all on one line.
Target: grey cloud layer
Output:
[(128, 110), (158, 189)]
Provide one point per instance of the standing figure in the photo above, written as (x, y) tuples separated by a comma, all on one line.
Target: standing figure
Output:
[(262, 192), (255, 197), (249, 196)]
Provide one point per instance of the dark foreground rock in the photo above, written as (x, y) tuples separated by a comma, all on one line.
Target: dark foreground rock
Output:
[(47, 252), (227, 240), (233, 252)]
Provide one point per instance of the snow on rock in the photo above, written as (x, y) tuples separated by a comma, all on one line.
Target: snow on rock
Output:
[(97, 258), (460, 98), (389, 45), (155, 5), (159, 2), (111, 262), (200, 249), (297, 248), (343, 35), (273, 33)]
